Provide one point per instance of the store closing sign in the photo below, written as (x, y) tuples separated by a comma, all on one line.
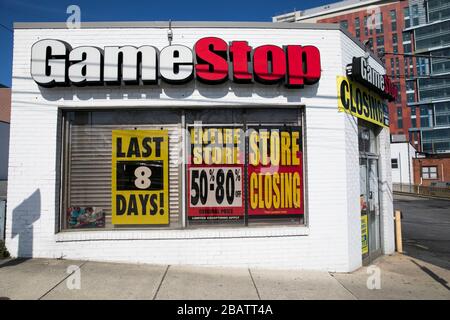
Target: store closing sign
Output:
[(140, 191), (356, 99), (215, 173), (275, 172)]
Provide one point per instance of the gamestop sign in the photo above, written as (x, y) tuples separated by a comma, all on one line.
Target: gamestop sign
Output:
[(211, 61)]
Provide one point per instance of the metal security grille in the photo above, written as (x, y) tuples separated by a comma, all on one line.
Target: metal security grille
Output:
[(88, 179)]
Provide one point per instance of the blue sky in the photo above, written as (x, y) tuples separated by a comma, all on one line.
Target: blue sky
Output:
[(130, 10)]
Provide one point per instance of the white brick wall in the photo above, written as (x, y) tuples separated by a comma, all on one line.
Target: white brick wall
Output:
[(330, 242)]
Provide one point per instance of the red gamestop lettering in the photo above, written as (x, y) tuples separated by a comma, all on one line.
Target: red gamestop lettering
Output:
[(294, 64)]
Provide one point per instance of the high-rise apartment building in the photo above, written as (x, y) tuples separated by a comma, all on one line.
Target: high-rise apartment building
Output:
[(430, 34), (380, 25)]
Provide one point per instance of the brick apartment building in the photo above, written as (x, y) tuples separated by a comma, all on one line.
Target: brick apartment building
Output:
[(379, 25)]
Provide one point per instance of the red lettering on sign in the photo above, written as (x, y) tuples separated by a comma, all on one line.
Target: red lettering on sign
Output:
[(240, 56), (212, 64), (269, 64)]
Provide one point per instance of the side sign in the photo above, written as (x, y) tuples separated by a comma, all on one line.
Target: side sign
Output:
[(359, 101), (361, 71), (364, 235), (140, 177)]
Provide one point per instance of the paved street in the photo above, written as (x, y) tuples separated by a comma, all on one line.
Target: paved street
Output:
[(425, 228), (401, 277)]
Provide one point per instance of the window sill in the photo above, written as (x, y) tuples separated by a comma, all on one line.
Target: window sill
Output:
[(216, 233)]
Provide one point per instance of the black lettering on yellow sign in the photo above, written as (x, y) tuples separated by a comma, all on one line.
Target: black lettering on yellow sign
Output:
[(140, 177), (139, 148), (359, 101), (145, 204)]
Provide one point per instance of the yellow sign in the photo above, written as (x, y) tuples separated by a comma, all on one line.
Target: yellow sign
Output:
[(359, 101), (140, 177), (364, 235)]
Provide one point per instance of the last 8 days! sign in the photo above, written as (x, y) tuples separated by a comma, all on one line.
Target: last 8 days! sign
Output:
[(140, 177)]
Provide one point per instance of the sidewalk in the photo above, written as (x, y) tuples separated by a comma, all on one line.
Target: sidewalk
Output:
[(402, 277)]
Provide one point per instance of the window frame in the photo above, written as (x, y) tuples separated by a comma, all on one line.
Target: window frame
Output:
[(428, 172), (394, 163), (64, 151)]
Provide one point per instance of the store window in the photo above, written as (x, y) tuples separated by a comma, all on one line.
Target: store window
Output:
[(101, 172), (257, 171), (125, 169), (429, 172)]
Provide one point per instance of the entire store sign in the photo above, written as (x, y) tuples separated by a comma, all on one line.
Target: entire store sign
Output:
[(216, 173), (218, 167), (140, 177), (361, 102), (275, 171), (212, 61)]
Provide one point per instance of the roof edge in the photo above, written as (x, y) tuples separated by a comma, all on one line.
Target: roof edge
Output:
[(175, 24)]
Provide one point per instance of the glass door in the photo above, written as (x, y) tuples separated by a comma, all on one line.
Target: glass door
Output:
[(374, 209), (363, 179), (370, 209)]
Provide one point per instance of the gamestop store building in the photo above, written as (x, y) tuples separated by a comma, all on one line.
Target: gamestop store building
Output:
[(199, 143)]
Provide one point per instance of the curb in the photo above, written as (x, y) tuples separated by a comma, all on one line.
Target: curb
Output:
[(419, 195)]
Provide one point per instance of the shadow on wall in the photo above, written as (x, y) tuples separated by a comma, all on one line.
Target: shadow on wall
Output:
[(23, 217), (179, 92)]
